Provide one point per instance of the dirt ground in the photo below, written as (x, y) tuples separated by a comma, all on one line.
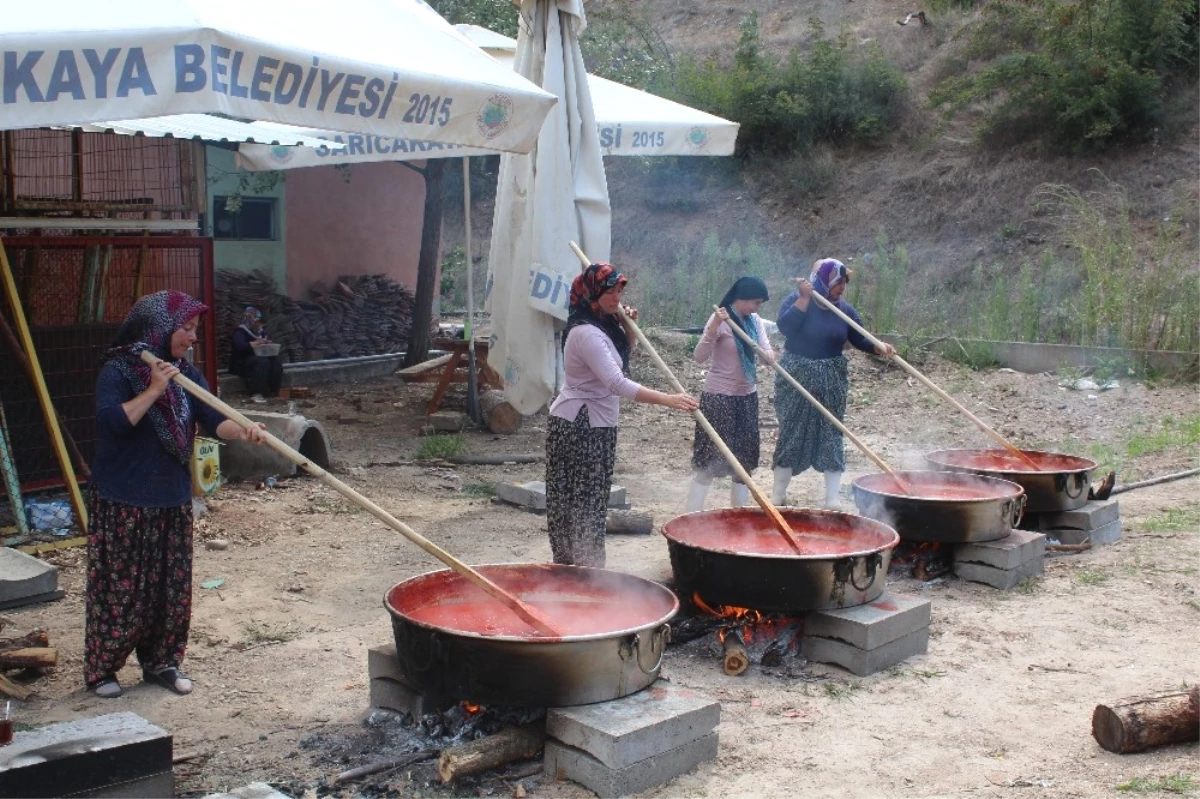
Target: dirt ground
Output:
[(1000, 706)]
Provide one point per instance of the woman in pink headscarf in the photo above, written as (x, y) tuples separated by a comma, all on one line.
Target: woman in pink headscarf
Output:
[(139, 579)]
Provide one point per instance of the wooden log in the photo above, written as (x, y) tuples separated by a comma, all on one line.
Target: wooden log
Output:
[(497, 460), (1140, 722), (498, 415), (35, 638), (628, 522), (736, 660), (508, 745), (15, 690), (41, 657)]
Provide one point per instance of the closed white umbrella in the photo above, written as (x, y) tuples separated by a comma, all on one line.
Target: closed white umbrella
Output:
[(391, 68), (545, 200)]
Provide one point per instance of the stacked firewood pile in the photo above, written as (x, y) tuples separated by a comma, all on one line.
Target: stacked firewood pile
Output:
[(29, 651), (356, 315)]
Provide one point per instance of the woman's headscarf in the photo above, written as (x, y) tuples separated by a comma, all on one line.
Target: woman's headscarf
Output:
[(252, 321), (585, 306), (149, 326), (827, 273), (746, 288)]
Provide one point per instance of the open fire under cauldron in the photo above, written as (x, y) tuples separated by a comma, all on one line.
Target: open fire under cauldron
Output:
[(455, 641), (941, 506), (1060, 483), (737, 557)]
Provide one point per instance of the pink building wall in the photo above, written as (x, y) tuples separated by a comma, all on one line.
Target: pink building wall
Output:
[(368, 225)]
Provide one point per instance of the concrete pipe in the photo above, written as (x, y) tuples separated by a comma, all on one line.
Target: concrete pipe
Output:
[(243, 461)]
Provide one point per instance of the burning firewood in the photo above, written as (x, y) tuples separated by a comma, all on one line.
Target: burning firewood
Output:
[(736, 659), (1140, 722), (507, 746)]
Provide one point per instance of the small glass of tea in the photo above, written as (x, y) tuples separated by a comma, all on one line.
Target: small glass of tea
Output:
[(6, 724)]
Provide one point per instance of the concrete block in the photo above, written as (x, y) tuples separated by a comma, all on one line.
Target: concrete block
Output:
[(865, 661), (1095, 514), (1021, 546), (1004, 579), (23, 576), (255, 790), (636, 727), (382, 662), (394, 695), (33, 599), (1107, 534), (119, 754), (242, 460), (567, 762), (532, 495), (874, 624)]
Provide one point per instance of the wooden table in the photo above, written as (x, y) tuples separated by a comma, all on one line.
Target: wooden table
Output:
[(452, 368)]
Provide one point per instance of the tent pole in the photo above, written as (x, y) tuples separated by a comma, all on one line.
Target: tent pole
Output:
[(39, 384), (472, 373)]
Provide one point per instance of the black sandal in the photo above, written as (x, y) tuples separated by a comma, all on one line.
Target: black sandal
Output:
[(169, 678)]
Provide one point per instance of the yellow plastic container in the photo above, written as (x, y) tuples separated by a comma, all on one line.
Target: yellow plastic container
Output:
[(206, 466)]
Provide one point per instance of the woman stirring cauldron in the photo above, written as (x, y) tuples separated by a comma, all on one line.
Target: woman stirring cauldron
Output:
[(730, 398), (815, 339), (581, 436), (139, 579)]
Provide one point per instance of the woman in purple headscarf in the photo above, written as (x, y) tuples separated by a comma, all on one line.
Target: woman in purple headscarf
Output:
[(139, 580), (815, 338)]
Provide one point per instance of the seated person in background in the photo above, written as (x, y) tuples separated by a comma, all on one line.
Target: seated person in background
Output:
[(263, 374)]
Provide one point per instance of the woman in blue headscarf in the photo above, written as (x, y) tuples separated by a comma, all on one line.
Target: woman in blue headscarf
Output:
[(730, 398), (815, 338)]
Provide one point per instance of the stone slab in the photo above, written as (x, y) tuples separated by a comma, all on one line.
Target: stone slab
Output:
[(49, 596), (23, 576), (1108, 534), (865, 661), (118, 754), (382, 662), (646, 724), (1020, 546), (255, 790), (874, 624), (567, 762), (1004, 579), (1095, 514), (533, 495)]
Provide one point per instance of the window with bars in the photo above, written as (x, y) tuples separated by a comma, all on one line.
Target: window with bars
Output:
[(253, 221)]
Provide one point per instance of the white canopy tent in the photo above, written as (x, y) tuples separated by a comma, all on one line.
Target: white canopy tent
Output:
[(630, 122), (390, 68)]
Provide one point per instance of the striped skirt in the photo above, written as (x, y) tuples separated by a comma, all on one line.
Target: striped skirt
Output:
[(806, 438), (736, 420), (579, 471)]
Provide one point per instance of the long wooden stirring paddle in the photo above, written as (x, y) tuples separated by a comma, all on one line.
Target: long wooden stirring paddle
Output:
[(929, 383), (527, 614), (816, 403), (763, 501)]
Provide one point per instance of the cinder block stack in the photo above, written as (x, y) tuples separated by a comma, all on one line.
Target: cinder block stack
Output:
[(634, 743), (1003, 563), (1098, 522), (389, 691), (868, 638)]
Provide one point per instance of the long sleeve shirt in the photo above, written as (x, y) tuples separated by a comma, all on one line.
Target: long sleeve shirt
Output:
[(593, 377), (726, 375), (818, 333), (131, 465)]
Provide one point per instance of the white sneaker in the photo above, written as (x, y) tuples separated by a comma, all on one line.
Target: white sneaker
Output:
[(259, 398)]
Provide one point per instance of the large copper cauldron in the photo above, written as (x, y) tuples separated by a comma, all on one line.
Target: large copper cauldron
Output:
[(737, 557), (1061, 482), (455, 641), (941, 506)]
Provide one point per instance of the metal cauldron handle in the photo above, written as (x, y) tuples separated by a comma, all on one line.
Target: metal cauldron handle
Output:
[(1013, 510), (1062, 483), (843, 570), (634, 649)]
